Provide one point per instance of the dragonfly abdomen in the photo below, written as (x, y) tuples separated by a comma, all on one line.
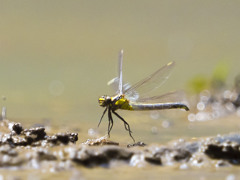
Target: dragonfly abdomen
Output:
[(158, 106)]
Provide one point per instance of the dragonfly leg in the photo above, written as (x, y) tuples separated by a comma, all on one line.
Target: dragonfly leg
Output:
[(110, 122), (127, 127), (102, 116), (111, 119)]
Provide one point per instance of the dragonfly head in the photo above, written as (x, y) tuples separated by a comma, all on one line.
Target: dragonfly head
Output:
[(104, 100)]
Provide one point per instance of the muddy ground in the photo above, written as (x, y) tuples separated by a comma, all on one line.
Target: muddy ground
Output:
[(34, 148)]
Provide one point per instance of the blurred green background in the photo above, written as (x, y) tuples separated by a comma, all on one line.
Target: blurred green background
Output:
[(57, 56)]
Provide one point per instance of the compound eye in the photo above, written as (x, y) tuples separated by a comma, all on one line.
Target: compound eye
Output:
[(101, 101)]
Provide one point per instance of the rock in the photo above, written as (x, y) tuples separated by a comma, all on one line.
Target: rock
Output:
[(100, 142), (17, 127), (34, 136), (153, 160), (102, 156), (63, 138), (44, 154), (141, 144), (226, 151), (34, 148)]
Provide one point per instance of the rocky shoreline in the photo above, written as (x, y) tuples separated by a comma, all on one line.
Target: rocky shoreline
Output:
[(34, 149)]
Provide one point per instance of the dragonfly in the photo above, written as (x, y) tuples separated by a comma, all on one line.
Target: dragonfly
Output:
[(136, 98)]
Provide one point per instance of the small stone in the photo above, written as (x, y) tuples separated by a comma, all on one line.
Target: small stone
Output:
[(153, 160), (17, 127), (141, 144)]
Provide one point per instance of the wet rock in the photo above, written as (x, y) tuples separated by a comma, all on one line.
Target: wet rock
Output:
[(153, 160), (228, 138), (34, 148), (44, 154), (226, 151), (32, 137), (35, 134), (100, 142), (222, 163), (172, 155), (52, 139), (63, 138), (138, 160), (181, 154), (91, 157), (17, 128), (192, 147), (141, 144), (19, 141), (8, 161), (8, 150)]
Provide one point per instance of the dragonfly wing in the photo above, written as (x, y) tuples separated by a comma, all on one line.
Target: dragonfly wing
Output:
[(174, 96), (114, 83), (120, 83), (141, 89)]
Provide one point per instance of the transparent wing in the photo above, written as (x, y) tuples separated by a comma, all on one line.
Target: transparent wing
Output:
[(143, 88), (120, 83), (174, 96), (114, 83)]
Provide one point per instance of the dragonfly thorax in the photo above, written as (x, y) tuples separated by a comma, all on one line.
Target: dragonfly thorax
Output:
[(110, 101)]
